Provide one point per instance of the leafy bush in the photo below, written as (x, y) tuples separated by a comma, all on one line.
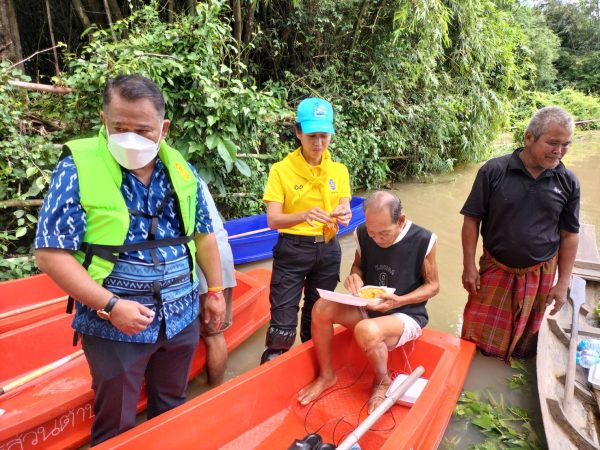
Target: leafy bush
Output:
[(28, 156), (216, 109), (581, 106)]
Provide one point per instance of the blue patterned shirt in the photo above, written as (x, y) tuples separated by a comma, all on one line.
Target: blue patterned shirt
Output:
[(62, 224)]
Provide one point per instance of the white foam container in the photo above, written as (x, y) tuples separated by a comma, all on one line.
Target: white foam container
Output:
[(410, 397), (594, 376)]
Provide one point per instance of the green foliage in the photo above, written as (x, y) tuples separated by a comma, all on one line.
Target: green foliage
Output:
[(504, 426), (541, 47), (216, 109), (581, 106), (416, 86), (28, 156), (578, 26)]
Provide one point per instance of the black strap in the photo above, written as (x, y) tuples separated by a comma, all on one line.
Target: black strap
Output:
[(107, 252), (154, 223)]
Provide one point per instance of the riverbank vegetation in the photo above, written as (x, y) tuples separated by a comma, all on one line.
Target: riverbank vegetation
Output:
[(417, 87)]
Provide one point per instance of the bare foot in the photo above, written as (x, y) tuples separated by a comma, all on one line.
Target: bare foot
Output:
[(378, 396), (311, 391)]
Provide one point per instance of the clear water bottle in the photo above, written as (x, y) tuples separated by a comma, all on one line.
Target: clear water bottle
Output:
[(587, 358), (589, 344)]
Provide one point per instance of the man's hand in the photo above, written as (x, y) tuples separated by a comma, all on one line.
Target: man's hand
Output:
[(470, 279), (353, 283), (388, 301), (131, 317), (558, 294), (213, 310), (343, 214)]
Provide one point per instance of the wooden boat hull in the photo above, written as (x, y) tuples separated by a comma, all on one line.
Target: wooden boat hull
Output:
[(578, 428), (258, 410), (257, 245), (55, 410)]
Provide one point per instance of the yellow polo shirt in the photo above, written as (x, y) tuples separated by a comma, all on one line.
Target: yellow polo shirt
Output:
[(284, 185)]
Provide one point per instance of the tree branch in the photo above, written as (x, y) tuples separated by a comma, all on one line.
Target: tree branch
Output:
[(32, 55), (40, 87), (20, 203)]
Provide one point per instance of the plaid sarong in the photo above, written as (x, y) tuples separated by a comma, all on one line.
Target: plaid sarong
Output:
[(504, 317)]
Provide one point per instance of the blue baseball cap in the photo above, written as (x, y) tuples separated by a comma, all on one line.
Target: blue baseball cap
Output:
[(315, 115)]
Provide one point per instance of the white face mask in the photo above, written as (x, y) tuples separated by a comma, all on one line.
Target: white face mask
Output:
[(131, 150)]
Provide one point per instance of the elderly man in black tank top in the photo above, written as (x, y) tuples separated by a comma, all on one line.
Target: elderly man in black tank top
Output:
[(394, 252)]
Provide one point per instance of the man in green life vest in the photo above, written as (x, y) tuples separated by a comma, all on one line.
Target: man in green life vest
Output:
[(121, 228)]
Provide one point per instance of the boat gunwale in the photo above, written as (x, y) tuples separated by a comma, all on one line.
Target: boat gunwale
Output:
[(452, 348), (27, 419)]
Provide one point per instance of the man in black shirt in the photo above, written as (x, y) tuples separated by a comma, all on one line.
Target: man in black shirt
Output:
[(527, 207), (393, 252)]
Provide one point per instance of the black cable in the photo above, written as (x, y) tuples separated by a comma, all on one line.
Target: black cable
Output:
[(327, 393)]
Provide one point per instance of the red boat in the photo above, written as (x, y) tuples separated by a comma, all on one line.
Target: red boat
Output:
[(27, 300), (54, 410), (259, 410)]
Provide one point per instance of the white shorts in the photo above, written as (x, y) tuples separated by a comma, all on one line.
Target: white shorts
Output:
[(412, 330)]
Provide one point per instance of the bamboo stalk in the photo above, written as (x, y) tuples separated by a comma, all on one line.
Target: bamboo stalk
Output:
[(110, 22), (114, 7), (14, 312), (39, 372), (78, 7), (52, 39)]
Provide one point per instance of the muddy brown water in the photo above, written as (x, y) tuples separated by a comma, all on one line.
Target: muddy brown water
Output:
[(435, 204)]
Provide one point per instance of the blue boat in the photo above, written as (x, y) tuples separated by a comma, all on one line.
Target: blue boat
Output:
[(251, 239)]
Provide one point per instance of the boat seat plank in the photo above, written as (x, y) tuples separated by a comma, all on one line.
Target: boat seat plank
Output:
[(582, 442), (582, 391), (587, 249)]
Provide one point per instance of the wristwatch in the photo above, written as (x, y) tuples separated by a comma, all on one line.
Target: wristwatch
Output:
[(104, 313)]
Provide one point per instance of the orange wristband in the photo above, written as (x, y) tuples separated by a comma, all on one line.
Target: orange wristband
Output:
[(215, 289)]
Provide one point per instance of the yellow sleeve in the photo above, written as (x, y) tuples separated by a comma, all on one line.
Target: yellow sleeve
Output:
[(345, 190), (274, 189)]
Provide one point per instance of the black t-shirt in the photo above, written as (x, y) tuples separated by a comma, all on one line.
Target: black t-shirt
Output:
[(521, 217), (398, 266)]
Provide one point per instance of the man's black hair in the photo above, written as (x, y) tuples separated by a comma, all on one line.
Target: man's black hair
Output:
[(134, 87)]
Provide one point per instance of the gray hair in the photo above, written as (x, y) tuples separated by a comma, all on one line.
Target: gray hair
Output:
[(384, 200), (545, 116), (134, 87)]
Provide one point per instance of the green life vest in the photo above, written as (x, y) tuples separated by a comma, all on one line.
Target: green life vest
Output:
[(107, 216)]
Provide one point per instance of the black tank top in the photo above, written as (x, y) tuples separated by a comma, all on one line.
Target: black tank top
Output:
[(398, 266)]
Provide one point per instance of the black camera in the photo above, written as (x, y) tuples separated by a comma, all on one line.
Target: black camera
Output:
[(311, 442)]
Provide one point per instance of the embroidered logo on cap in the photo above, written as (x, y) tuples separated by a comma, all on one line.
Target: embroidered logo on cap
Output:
[(320, 110), (332, 184)]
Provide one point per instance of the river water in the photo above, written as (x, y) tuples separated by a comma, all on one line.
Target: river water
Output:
[(435, 204)]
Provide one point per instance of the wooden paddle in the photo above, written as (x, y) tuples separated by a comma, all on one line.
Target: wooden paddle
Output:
[(249, 233), (14, 312), (39, 372), (577, 297)]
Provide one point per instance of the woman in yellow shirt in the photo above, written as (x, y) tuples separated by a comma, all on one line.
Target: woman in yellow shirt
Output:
[(307, 194)]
